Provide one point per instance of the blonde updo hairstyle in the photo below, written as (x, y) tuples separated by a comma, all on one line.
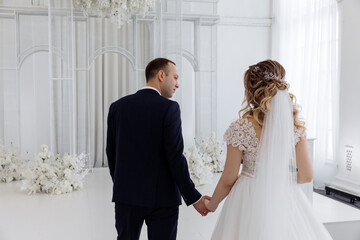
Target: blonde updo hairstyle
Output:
[(261, 82)]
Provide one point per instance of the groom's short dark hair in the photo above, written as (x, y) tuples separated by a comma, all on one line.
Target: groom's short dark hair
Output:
[(155, 66)]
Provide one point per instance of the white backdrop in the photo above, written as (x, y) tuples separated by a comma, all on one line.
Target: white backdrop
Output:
[(60, 70), (211, 59)]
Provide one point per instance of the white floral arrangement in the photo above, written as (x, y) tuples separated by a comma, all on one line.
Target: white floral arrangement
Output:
[(12, 164), (199, 171), (55, 174), (119, 11), (213, 152)]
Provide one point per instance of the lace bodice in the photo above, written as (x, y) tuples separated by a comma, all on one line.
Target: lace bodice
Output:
[(241, 134)]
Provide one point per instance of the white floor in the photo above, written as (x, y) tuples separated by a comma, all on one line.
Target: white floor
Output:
[(89, 214)]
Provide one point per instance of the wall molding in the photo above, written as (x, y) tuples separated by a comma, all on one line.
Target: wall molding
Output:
[(249, 22)]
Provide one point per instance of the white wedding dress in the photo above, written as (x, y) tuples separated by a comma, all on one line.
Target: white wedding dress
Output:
[(265, 214)]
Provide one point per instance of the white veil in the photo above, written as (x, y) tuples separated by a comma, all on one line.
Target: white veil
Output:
[(275, 178)]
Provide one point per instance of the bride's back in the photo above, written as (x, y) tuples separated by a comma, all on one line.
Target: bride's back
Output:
[(303, 160)]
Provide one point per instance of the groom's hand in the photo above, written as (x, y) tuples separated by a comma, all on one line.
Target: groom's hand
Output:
[(200, 206)]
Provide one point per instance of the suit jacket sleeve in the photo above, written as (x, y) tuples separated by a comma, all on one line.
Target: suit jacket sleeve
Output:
[(174, 147), (110, 144)]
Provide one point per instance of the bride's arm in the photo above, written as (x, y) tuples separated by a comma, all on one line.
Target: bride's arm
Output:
[(228, 177), (303, 161)]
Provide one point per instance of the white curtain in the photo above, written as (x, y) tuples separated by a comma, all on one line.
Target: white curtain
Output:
[(94, 63), (110, 77), (305, 40)]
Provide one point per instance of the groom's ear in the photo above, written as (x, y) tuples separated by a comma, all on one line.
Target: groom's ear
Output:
[(161, 75)]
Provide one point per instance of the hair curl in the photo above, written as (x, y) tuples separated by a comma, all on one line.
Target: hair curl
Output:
[(261, 82)]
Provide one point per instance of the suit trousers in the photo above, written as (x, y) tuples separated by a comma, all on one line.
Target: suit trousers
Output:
[(161, 222)]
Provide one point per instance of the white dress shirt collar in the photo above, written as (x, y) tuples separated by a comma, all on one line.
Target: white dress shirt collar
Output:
[(148, 87)]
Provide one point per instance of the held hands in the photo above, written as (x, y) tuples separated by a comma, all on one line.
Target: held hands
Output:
[(200, 205), (208, 206)]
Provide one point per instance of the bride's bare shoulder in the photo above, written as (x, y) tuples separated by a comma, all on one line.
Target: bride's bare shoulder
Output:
[(242, 120), (251, 119)]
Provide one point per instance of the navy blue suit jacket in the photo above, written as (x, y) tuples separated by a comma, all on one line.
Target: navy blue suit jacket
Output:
[(145, 152)]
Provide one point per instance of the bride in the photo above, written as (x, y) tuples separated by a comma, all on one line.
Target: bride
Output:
[(265, 202)]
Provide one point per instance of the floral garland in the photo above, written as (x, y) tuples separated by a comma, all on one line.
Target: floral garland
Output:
[(12, 164), (55, 174), (119, 11)]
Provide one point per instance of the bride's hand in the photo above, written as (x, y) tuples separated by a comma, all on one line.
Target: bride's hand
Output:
[(208, 206)]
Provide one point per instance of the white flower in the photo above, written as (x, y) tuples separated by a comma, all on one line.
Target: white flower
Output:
[(205, 158), (200, 173), (63, 187), (213, 152), (44, 148), (77, 185), (12, 164), (8, 179), (7, 159), (42, 156), (67, 173)]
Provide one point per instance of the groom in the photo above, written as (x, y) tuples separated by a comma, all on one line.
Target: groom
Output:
[(144, 149)]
